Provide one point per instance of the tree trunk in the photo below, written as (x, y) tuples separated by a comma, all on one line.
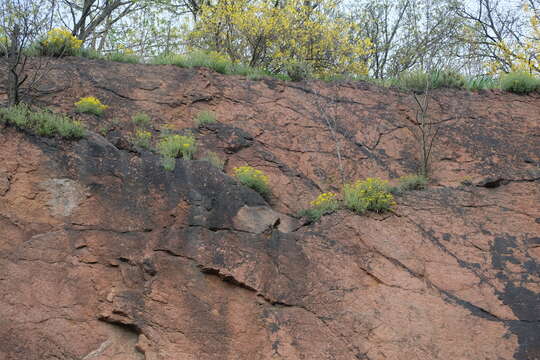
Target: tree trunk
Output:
[(13, 61)]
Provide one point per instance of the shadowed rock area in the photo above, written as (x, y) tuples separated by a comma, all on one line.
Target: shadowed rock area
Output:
[(105, 255)]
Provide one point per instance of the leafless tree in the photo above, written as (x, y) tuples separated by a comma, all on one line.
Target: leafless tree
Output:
[(22, 21)]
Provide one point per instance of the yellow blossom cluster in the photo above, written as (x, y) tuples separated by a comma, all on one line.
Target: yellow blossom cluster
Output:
[(324, 199), (173, 146), (252, 178), (370, 194), (261, 34), (60, 42), (90, 105)]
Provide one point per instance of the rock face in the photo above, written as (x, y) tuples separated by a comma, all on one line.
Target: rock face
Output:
[(105, 255)]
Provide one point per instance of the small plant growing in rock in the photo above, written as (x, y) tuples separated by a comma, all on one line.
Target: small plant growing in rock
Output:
[(141, 119), (409, 183), (205, 117), (90, 105), (253, 178), (174, 146), (325, 203), (41, 122), (59, 42), (368, 195), (142, 138), (214, 159)]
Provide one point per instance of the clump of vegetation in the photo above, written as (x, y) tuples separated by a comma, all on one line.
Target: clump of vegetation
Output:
[(205, 117), (520, 83), (481, 83), (409, 183), (325, 203), (59, 42), (299, 71), (41, 122), (142, 138), (214, 160), (419, 81), (124, 55), (253, 178), (141, 119), (90, 105), (368, 195), (175, 146)]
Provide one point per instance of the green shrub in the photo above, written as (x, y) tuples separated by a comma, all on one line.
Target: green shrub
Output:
[(90, 54), (141, 119), (370, 194), (59, 42), (90, 105), (520, 83), (173, 146), (41, 122), (299, 71), (142, 138), (325, 203), (214, 159), (4, 44), (253, 178), (205, 117)]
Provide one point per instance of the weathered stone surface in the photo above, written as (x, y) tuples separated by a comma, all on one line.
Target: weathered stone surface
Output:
[(104, 255)]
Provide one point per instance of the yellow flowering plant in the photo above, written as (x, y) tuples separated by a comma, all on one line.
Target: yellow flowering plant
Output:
[(371, 194), (174, 146), (90, 105), (142, 138), (59, 42), (325, 203), (253, 178)]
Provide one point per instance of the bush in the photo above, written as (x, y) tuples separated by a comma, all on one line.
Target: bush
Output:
[(205, 117), (214, 159), (4, 45), (520, 83), (90, 105), (370, 194), (253, 178), (173, 146), (325, 203), (481, 83), (59, 42), (299, 71), (142, 138), (141, 119), (41, 122)]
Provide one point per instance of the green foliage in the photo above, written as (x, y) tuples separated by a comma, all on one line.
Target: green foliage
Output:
[(419, 81), (141, 119), (253, 178), (205, 117), (174, 146), (481, 83), (168, 163), (325, 203), (214, 160), (90, 54), (371, 194), (90, 105), (59, 42), (142, 138), (123, 57), (299, 71), (41, 122), (216, 62), (520, 83)]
